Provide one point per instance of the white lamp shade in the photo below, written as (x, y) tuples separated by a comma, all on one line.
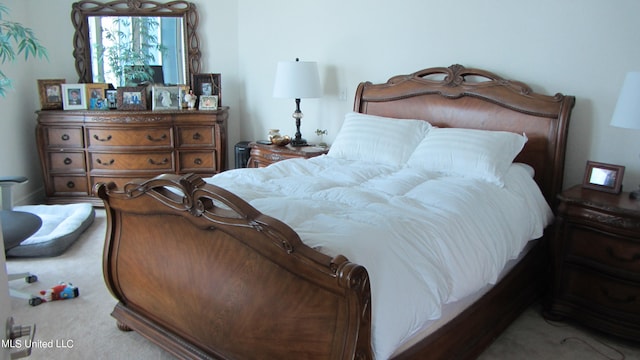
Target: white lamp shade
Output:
[(297, 80), (627, 112)]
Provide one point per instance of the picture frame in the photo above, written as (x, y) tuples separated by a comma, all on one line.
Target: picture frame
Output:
[(603, 177), (74, 96), (132, 98), (207, 84), (50, 91), (165, 97), (95, 93), (208, 102), (112, 98)]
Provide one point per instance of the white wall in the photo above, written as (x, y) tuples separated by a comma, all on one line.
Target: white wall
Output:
[(577, 47)]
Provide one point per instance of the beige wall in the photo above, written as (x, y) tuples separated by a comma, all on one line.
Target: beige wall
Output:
[(578, 47)]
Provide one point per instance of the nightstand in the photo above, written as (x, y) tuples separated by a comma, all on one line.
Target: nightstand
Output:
[(264, 155), (596, 262)]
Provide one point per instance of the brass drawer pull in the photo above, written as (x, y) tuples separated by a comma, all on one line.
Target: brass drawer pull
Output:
[(109, 163), (65, 137), (163, 162), (108, 138), (161, 138), (197, 136), (67, 161), (628, 299), (71, 184), (634, 258), (197, 161)]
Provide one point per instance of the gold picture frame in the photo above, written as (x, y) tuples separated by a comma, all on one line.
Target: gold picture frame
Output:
[(50, 91), (96, 96)]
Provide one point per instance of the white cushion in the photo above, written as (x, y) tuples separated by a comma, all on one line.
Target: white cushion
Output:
[(378, 139), (471, 153)]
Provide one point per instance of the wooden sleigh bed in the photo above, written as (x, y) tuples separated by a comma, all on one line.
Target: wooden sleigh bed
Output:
[(203, 274)]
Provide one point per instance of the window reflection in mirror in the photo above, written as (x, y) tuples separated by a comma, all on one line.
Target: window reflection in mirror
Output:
[(127, 51)]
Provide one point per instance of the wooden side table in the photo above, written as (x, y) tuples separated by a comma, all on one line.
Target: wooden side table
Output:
[(264, 155), (596, 262)]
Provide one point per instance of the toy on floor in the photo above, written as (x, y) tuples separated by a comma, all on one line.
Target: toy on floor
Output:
[(62, 291)]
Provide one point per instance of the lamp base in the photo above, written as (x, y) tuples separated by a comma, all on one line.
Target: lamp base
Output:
[(298, 142)]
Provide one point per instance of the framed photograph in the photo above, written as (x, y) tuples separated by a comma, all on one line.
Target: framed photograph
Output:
[(50, 93), (208, 102), (96, 96), (132, 98), (165, 97), (603, 177), (111, 95), (74, 96), (207, 84)]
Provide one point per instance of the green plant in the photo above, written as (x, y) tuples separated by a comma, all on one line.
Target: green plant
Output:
[(132, 43), (15, 39)]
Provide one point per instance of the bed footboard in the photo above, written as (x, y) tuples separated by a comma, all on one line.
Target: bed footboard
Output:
[(203, 274)]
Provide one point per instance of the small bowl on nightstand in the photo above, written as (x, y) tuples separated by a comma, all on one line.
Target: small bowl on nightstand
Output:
[(280, 140)]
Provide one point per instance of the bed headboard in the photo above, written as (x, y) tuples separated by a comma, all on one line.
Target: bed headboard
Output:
[(470, 98)]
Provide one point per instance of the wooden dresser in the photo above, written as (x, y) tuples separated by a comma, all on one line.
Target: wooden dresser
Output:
[(264, 155), (81, 148), (596, 261)]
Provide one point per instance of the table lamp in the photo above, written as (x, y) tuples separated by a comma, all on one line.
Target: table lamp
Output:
[(627, 112), (297, 80)]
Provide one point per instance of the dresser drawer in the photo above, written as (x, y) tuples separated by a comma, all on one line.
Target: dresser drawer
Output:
[(64, 137), (120, 182), (592, 289), (197, 161), (65, 162), (152, 161), (70, 185), (196, 136), (133, 137), (604, 250)]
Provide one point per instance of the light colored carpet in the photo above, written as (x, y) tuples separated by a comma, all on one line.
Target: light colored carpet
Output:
[(83, 328)]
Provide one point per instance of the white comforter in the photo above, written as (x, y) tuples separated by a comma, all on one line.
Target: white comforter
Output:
[(425, 239)]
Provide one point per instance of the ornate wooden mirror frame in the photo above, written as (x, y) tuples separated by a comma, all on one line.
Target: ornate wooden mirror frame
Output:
[(82, 10)]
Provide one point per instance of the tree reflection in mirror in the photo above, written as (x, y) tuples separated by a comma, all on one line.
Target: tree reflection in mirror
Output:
[(129, 51)]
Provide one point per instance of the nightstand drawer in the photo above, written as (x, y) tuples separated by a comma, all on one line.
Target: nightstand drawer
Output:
[(264, 155), (140, 137), (602, 249), (592, 289)]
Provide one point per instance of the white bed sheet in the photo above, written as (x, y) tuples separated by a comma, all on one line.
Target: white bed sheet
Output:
[(426, 239)]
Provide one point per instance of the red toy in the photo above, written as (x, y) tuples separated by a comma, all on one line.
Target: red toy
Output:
[(61, 291)]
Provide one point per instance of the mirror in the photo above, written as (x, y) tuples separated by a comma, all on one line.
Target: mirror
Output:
[(124, 42)]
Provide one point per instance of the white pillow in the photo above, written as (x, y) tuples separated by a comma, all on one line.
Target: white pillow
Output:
[(378, 139), (472, 153)]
